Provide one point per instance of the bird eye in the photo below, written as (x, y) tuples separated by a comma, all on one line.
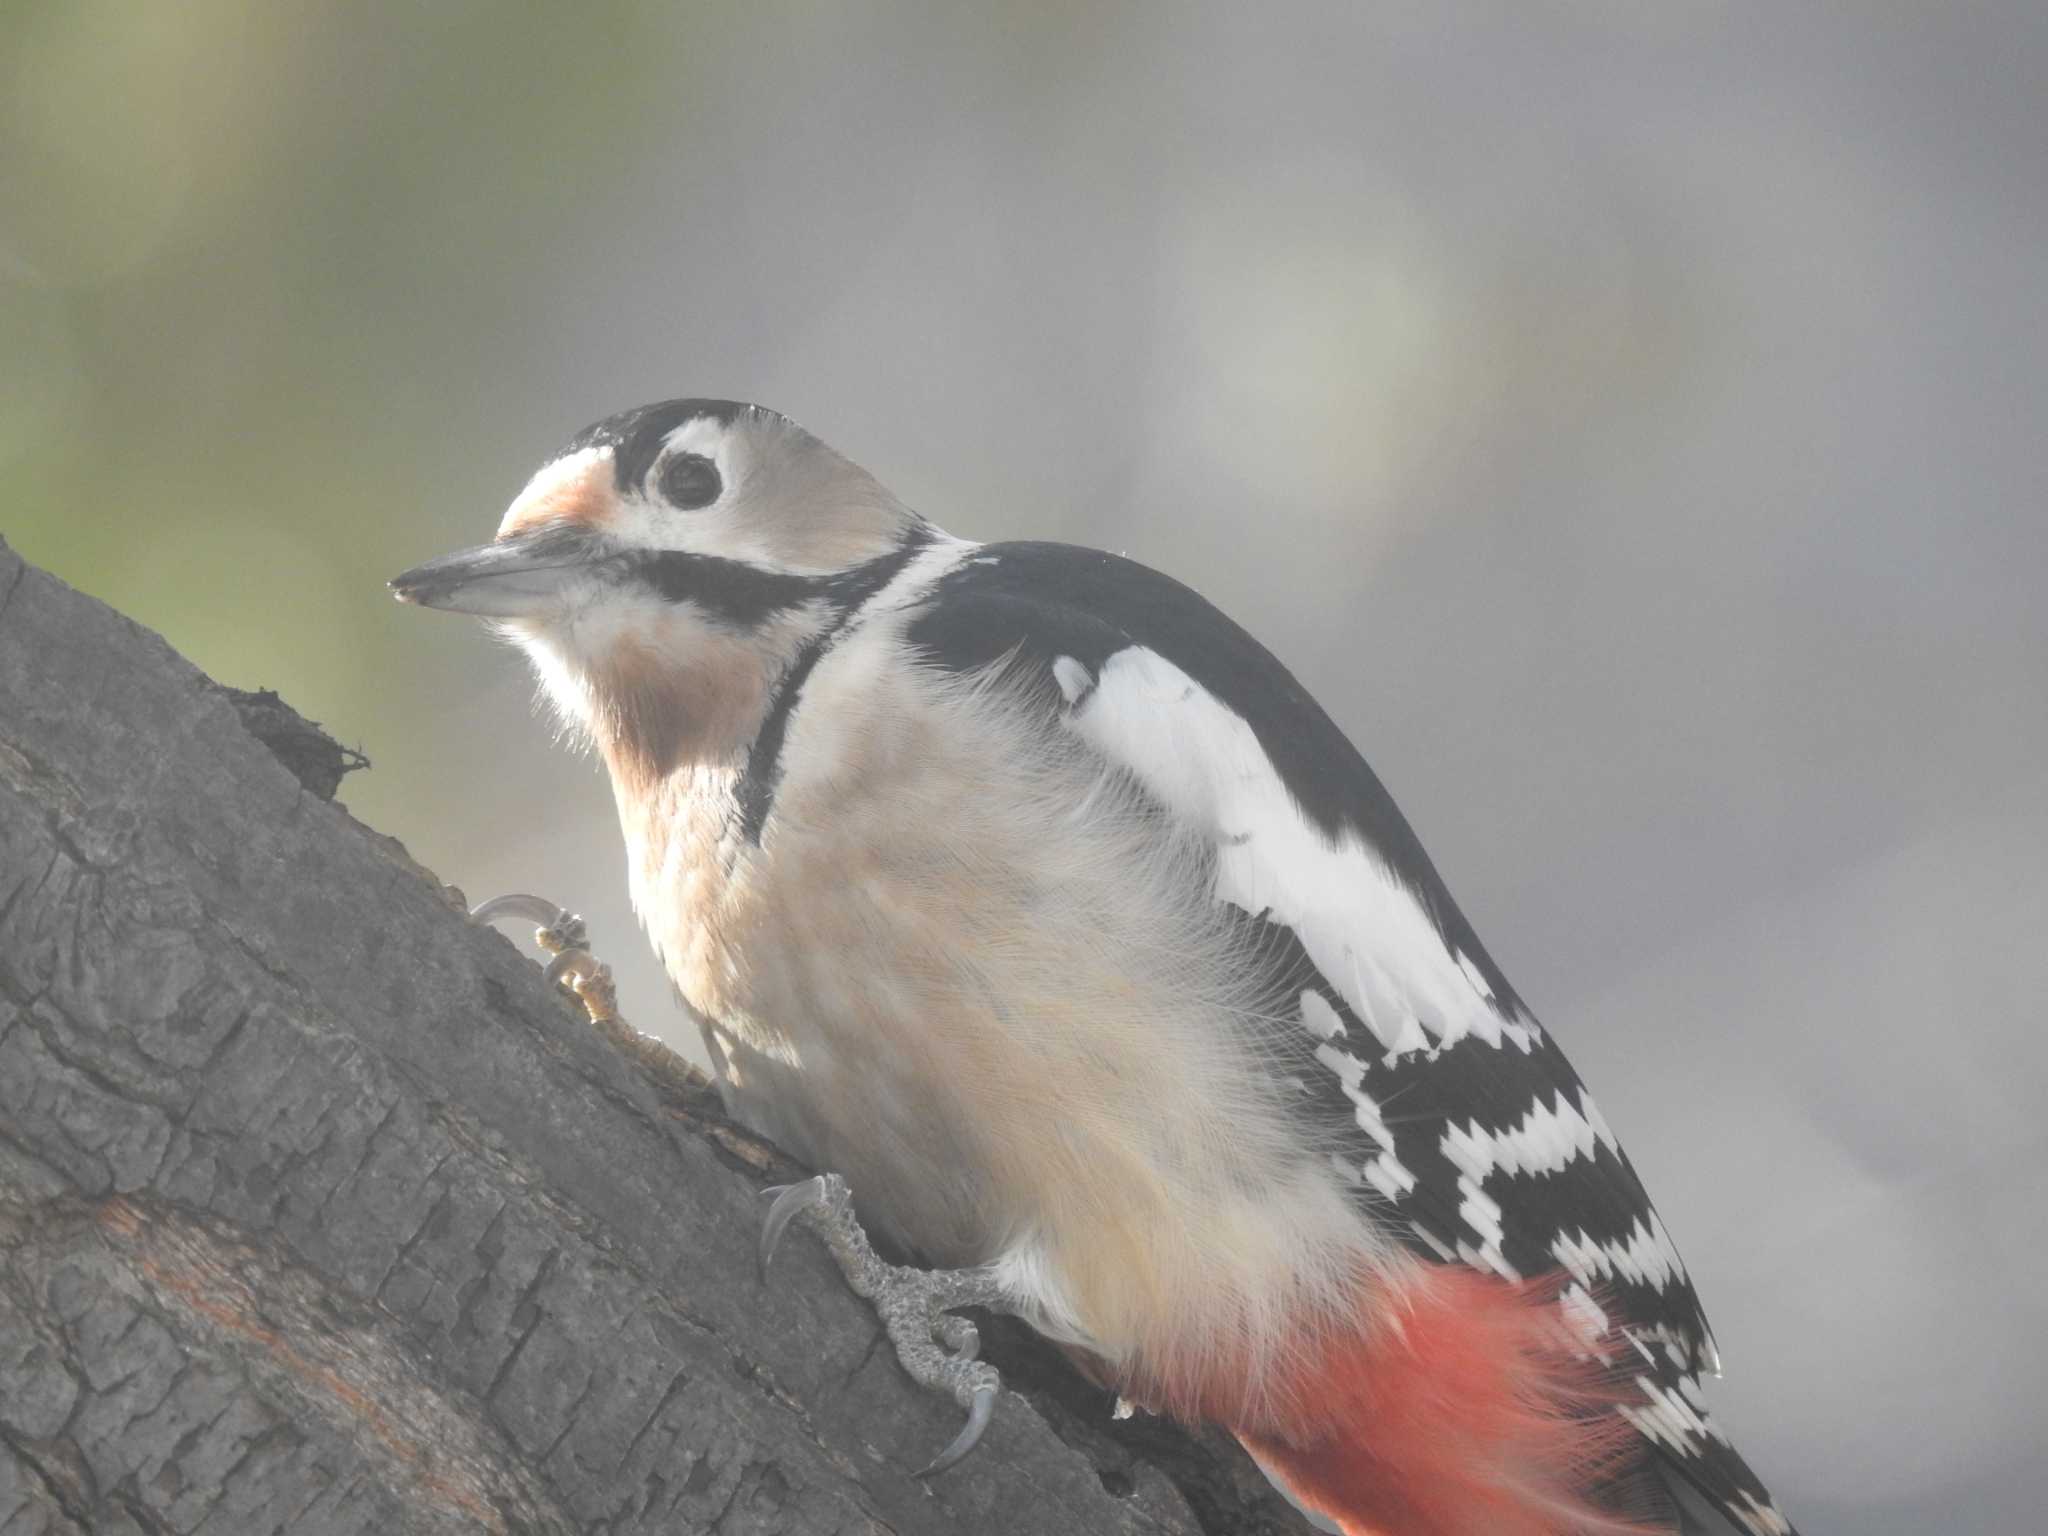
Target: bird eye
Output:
[(689, 481)]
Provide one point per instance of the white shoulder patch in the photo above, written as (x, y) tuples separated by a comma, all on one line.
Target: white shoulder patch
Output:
[(1362, 926), (1072, 677)]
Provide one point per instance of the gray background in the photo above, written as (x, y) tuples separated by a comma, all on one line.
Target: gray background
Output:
[(1624, 417)]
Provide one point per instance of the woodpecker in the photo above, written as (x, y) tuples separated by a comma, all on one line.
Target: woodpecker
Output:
[(1033, 898)]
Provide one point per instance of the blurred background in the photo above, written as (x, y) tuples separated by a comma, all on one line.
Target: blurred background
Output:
[(1627, 418)]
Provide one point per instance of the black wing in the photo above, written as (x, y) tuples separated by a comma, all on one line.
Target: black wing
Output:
[(1475, 1146)]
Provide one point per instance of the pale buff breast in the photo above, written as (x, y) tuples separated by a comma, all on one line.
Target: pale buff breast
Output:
[(981, 980)]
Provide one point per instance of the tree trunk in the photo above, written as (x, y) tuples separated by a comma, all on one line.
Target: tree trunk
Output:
[(320, 1210)]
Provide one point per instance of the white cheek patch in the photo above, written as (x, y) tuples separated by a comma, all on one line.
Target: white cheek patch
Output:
[(1361, 925), (645, 521), (729, 529)]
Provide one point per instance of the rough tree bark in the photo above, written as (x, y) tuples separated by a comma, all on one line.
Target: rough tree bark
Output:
[(320, 1211)]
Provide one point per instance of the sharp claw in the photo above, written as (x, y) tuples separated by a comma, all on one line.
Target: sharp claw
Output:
[(970, 1433), (791, 1200), (535, 909), (958, 1335), (577, 961), (559, 928), (590, 979)]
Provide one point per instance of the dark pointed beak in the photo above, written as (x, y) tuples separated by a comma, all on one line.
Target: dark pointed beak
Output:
[(513, 578)]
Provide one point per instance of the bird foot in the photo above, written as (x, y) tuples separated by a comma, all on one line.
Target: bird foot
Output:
[(937, 1350), (563, 935)]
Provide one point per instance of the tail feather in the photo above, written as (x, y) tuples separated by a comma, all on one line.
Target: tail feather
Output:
[(1467, 1407)]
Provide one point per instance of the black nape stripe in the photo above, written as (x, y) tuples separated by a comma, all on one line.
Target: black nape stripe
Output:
[(849, 593)]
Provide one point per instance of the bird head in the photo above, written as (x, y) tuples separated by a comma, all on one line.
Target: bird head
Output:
[(665, 565)]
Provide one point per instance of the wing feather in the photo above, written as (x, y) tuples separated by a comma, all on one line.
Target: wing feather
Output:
[(1465, 1129)]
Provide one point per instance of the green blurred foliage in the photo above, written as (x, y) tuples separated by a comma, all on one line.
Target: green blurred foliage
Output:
[(248, 255)]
